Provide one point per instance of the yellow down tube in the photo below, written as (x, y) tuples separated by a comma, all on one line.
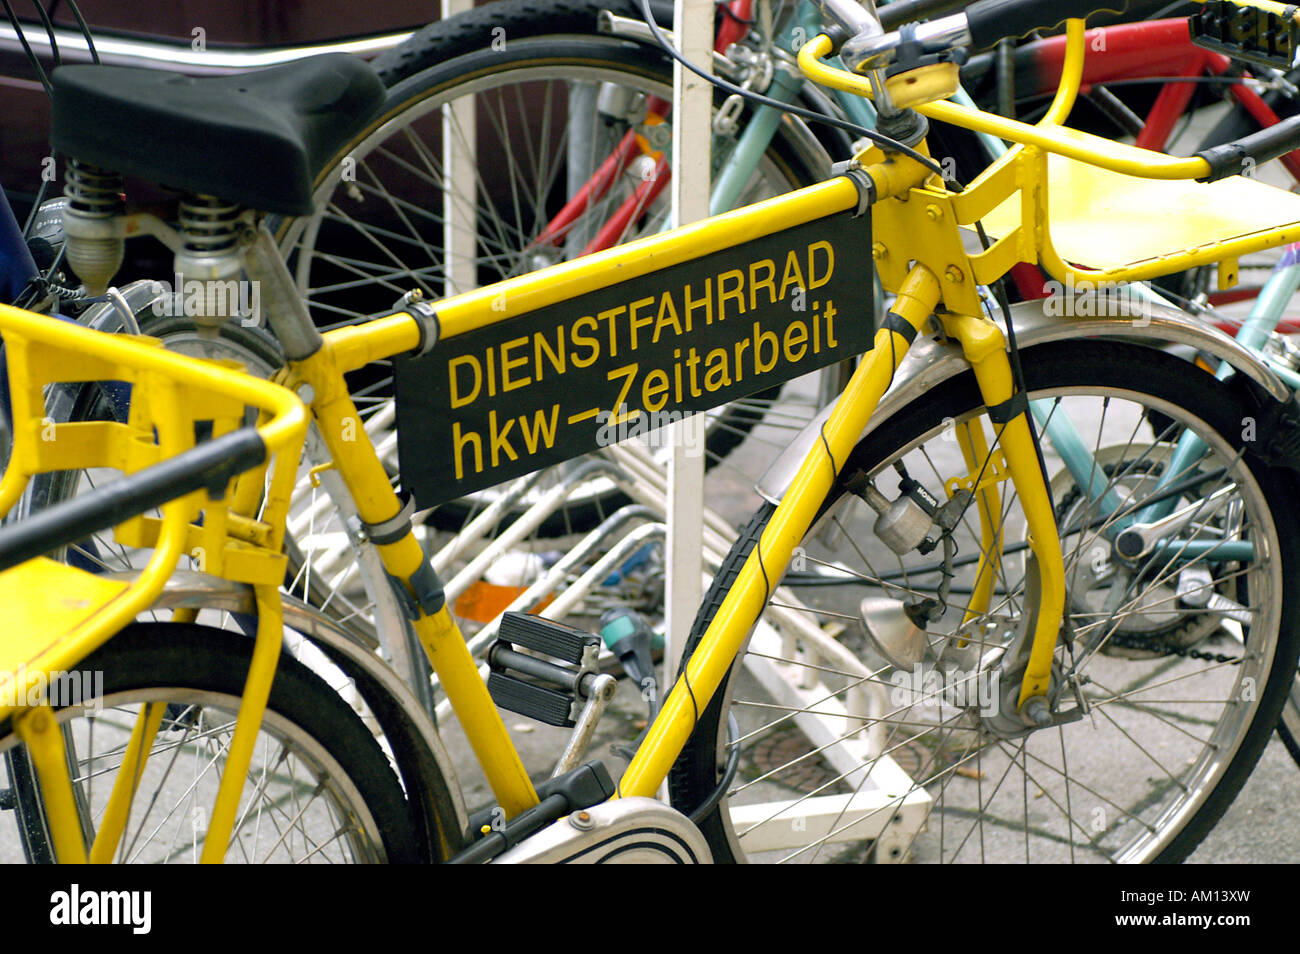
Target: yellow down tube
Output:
[(708, 665)]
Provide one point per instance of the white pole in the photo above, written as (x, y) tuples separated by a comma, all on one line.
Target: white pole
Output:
[(692, 120), (460, 170)]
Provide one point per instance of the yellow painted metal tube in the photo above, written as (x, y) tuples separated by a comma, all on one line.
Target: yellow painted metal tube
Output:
[(916, 300), (975, 451), (118, 809), (985, 348), (290, 416), (1117, 157), (252, 706), (16, 472), (38, 728), (368, 483), (478, 714), (1071, 76), (359, 345)]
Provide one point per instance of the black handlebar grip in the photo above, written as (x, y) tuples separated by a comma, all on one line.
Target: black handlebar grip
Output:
[(1241, 156), (210, 465), (994, 20), (895, 14)]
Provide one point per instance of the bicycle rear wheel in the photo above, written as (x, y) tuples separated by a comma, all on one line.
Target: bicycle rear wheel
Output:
[(536, 114), (1163, 705)]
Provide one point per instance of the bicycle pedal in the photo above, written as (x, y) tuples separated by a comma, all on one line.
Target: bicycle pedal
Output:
[(551, 686)]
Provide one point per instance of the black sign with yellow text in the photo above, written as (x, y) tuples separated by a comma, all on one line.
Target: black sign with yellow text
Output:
[(555, 383)]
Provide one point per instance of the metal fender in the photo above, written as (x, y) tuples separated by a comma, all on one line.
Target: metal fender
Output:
[(405, 724), (932, 361)]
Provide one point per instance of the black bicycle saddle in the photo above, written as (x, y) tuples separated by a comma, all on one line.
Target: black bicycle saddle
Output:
[(258, 139)]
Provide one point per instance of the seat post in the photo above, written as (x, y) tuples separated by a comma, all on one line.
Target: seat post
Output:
[(285, 309)]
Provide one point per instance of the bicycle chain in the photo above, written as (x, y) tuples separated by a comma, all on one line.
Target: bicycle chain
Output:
[(1148, 645)]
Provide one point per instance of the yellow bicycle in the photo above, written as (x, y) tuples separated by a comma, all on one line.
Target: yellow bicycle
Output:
[(1018, 594)]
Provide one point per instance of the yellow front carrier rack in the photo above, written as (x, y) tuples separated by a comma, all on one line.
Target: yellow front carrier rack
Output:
[(59, 614), (1086, 208)]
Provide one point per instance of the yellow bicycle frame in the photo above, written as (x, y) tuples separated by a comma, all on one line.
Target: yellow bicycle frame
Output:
[(920, 257)]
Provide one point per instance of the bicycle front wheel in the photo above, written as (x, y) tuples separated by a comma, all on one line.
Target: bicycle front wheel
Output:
[(319, 787), (1169, 674)]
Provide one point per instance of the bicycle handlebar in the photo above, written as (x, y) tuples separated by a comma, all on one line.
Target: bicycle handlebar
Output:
[(909, 11), (983, 24), (1240, 157), (210, 465), (988, 21)]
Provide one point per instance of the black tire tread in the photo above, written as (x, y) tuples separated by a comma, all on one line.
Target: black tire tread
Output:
[(521, 19)]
